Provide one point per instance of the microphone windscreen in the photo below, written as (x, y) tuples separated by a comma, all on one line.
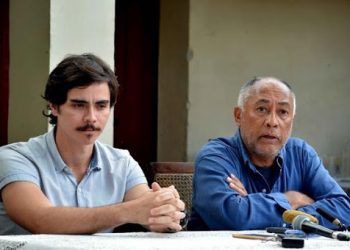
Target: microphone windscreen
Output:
[(302, 222), (289, 215), (298, 221)]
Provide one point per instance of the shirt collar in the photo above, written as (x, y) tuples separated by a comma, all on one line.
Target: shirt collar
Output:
[(52, 147), (59, 164), (242, 147), (95, 164)]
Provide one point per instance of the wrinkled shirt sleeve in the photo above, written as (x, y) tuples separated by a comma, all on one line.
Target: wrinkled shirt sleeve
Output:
[(224, 209), (326, 192)]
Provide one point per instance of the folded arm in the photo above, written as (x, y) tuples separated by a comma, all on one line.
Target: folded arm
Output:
[(229, 209), (295, 198), (232, 207)]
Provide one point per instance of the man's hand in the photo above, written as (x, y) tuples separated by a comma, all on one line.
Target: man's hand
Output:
[(236, 185), (297, 199), (159, 209), (166, 218)]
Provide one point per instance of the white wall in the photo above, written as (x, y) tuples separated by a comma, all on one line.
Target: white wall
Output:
[(303, 42), (83, 26)]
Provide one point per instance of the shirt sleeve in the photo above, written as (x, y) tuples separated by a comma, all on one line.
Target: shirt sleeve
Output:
[(321, 186), (223, 208), (135, 174), (14, 166)]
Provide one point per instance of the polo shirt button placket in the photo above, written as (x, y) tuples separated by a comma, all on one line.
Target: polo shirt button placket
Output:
[(80, 196)]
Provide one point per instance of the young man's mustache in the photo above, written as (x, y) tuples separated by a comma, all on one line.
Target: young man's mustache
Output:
[(89, 127)]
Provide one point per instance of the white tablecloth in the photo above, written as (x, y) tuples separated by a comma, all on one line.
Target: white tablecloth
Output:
[(150, 241)]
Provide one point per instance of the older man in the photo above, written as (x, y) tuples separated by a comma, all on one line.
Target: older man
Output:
[(247, 181)]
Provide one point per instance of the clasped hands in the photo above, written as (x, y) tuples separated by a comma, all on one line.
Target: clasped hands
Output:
[(166, 209)]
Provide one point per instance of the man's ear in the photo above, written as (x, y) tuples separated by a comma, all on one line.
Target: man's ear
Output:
[(53, 108), (237, 112)]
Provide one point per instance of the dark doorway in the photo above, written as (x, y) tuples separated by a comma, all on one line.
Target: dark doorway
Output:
[(136, 62), (4, 69)]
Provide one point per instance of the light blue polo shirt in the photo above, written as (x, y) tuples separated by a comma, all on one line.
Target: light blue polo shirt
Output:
[(111, 174)]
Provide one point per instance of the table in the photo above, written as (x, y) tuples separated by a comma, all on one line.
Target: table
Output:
[(182, 240)]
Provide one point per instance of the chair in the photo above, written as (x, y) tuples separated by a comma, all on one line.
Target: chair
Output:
[(178, 174)]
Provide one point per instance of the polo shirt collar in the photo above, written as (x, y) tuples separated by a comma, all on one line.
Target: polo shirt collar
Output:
[(59, 164), (96, 161), (52, 147)]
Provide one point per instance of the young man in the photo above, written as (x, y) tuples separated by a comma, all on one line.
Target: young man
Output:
[(251, 178), (67, 182)]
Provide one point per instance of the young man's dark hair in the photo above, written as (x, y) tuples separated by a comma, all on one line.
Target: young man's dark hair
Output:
[(78, 71)]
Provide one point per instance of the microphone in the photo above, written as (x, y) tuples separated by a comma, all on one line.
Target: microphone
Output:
[(289, 215), (331, 218), (302, 222)]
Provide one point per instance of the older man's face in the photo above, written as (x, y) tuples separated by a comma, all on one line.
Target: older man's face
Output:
[(266, 120)]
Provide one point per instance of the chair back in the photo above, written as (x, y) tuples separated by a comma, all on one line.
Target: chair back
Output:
[(178, 174)]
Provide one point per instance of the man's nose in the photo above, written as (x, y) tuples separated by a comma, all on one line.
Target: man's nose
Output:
[(90, 115), (272, 120)]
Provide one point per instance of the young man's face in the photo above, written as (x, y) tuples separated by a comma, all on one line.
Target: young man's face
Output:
[(82, 118), (266, 121)]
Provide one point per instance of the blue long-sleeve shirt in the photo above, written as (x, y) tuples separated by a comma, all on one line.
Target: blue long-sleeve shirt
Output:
[(298, 168)]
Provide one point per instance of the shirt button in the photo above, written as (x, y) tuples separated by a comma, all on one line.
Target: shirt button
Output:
[(264, 190)]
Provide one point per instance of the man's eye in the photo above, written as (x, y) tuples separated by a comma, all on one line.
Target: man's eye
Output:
[(261, 109), (102, 106), (78, 105), (284, 112)]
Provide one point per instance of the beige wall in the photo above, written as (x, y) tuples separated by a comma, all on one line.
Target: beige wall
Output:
[(29, 66), (208, 49), (304, 42), (173, 80)]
